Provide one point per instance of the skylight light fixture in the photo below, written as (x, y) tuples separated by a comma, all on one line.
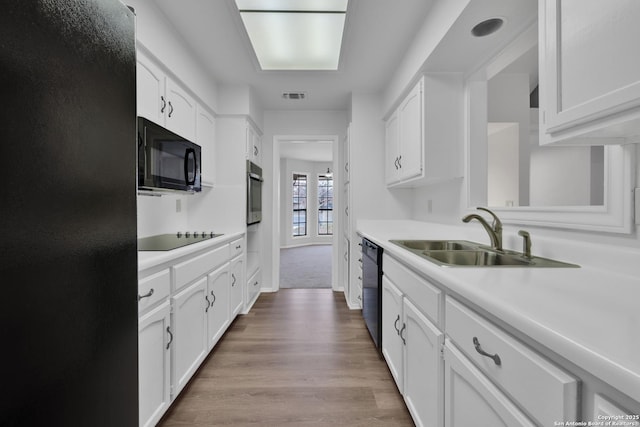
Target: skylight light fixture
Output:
[(295, 34)]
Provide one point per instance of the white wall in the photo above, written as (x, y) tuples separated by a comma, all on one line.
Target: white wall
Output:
[(502, 161), (312, 169)]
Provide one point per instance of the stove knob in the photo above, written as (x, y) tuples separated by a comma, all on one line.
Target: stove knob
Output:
[(187, 234), (212, 234), (195, 234), (179, 234)]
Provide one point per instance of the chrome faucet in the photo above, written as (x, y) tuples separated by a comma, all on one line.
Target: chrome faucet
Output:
[(494, 230)]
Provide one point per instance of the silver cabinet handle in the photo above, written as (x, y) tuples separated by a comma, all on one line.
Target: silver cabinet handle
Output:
[(359, 278), (495, 357), (255, 150), (346, 167), (396, 163), (399, 159), (255, 284), (360, 260), (395, 325), (233, 279), (238, 247), (170, 337), (208, 304), (148, 294), (214, 298), (170, 109), (346, 211), (346, 256), (404, 326), (164, 104)]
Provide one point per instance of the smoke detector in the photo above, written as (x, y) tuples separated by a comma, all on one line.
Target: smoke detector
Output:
[(294, 95)]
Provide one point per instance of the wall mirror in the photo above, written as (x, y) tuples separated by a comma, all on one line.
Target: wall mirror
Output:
[(578, 187)]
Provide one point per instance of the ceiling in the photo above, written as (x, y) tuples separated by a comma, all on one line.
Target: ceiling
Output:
[(376, 36)]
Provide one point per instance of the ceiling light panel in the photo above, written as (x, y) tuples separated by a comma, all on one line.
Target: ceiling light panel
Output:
[(295, 34), (293, 5)]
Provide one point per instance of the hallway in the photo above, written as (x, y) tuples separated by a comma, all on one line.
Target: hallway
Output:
[(300, 357)]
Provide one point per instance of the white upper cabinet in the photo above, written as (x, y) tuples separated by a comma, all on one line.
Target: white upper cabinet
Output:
[(205, 138), (423, 135), (392, 148), (164, 101), (254, 145), (590, 71)]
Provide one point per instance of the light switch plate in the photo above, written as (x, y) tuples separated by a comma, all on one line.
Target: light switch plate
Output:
[(637, 203)]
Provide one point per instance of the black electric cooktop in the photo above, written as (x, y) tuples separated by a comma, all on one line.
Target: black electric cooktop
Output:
[(166, 242)]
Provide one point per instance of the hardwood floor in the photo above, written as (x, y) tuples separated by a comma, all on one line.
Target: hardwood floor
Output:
[(299, 358)]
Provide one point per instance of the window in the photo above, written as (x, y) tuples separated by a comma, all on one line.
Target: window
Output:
[(325, 205), (299, 205)]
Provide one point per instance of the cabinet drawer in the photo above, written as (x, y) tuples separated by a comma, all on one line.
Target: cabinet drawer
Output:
[(189, 270), (235, 248), (253, 286), (421, 293), (153, 289), (545, 391)]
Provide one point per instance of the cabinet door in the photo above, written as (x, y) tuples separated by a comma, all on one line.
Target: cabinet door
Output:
[(472, 400), (346, 147), (236, 286), (189, 333), (423, 368), (589, 60), (410, 125), (205, 137), (257, 149), (154, 369), (181, 111), (392, 326), (218, 299), (150, 81), (253, 286), (392, 149)]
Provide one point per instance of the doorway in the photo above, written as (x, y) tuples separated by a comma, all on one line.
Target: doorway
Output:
[(305, 246)]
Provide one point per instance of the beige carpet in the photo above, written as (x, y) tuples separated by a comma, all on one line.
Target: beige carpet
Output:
[(305, 267)]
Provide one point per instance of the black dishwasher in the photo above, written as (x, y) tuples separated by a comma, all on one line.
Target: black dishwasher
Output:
[(372, 290)]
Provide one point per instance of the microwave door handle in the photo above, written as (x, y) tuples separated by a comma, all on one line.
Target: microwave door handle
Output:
[(186, 166)]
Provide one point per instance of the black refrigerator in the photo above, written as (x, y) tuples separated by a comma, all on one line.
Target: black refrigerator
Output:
[(68, 255)]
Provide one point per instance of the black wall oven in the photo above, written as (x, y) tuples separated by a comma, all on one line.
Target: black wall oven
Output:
[(254, 193), (372, 290), (166, 161)]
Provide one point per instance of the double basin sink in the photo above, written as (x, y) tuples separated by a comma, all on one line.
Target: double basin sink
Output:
[(462, 253)]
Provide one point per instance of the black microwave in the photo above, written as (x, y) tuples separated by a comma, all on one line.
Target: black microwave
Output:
[(166, 161)]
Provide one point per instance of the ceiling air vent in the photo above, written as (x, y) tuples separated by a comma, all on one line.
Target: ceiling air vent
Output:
[(294, 95)]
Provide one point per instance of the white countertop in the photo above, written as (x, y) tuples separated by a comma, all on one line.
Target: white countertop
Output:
[(588, 315), (150, 259)]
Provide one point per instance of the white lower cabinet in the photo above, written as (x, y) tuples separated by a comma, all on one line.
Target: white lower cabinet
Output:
[(253, 286), (392, 347), (190, 332), (154, 364), (423, 374), (218, 304), (472, 400), (411, 344), (237, 289)]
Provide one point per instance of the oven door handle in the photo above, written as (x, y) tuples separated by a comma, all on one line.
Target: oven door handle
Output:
[(255, 177)]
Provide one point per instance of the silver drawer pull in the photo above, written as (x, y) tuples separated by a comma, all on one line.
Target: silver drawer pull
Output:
[(404, 326), (239, 247), (395, 324), (147, 295), (495, 357)]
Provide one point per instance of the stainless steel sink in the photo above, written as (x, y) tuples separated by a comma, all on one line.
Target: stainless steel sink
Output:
[(483, 258), (436, 245), (462, 253)]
